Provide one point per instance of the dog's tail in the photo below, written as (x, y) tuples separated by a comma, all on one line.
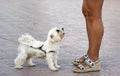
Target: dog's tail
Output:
[(25, 39)]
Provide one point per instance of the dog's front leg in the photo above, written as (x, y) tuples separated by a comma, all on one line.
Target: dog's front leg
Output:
[(50, 61), (55, 61)]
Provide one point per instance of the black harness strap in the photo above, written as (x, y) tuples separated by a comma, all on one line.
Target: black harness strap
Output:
[(40, 48), (51, 51)]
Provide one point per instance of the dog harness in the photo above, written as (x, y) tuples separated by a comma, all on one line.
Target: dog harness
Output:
[(40, 48)]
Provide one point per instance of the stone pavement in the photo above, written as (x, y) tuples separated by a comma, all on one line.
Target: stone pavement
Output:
[(38, 16)]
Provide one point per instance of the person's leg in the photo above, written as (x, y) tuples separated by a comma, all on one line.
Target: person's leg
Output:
[(92, 11), (94, 26)]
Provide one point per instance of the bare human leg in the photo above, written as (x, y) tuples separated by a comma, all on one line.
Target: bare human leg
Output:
[(92, 11)]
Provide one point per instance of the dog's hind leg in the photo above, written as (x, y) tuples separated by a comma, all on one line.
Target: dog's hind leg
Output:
[(20, 60), (29, 62)]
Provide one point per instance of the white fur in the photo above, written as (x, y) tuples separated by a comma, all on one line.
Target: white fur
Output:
[(26, 53)]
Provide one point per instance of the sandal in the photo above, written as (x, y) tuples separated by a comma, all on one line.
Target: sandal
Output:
[(91, 66), (76, 62)]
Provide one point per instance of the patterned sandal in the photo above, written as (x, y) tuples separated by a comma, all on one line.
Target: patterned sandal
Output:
[(76, 62), (91, 66)]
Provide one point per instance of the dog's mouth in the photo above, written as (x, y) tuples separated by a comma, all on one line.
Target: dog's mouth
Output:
[(61, 32), (62, 35)]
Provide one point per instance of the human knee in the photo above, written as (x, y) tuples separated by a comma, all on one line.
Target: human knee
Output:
[(93, 15)]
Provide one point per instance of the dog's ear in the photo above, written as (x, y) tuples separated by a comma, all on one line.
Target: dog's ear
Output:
[(51, 36)]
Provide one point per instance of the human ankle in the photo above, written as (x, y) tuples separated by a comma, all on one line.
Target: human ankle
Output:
[(93, 57)]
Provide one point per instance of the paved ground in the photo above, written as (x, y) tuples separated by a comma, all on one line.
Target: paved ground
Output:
[(38, 16)]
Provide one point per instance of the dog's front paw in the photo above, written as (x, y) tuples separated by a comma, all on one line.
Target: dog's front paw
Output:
[(32, 65), (58, 66), (19, 67), (54, 69)]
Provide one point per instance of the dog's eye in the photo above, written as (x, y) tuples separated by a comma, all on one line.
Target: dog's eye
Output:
[(58, 30)]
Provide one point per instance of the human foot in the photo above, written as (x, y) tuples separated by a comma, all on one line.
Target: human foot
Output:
[(87, 66)]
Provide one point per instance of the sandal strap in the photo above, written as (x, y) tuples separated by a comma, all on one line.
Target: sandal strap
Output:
[(81, 66), (89, 62), (85, 56)]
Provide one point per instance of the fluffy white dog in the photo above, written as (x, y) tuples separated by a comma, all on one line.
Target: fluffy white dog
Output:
[(29, 48)]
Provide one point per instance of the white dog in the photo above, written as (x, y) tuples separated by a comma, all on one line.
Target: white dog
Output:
[(29, 48)]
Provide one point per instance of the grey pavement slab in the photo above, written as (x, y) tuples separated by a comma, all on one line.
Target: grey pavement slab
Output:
[(37, 17)]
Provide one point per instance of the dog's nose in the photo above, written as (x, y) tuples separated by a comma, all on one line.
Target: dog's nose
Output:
[(63, 29), (63, 33)]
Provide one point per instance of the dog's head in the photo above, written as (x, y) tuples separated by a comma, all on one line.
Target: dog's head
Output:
[(56, 34), (26, 39)]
